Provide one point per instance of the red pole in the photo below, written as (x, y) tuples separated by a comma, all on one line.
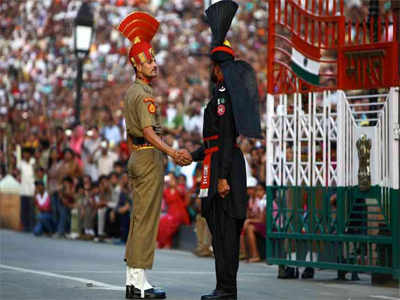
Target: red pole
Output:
[(327, 31), (357, 37), (306, 25), (320, 6), (396, 32), (387, 25), (341, 44), (312, 31), (334, 8), (286, 13), (271, 46), (349, 36), (365, 31), (279, 13), (341, 7), (292, 17), (298, 22), (319, 33), (379, 35), (327, 12), (371, 28)]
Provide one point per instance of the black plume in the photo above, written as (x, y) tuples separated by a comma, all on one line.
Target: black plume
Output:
[(219, 18)]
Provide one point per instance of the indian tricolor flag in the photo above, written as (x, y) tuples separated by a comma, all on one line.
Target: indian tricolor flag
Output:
[(305, 60)]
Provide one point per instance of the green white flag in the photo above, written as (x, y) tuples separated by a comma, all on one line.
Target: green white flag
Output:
[(305, 61)]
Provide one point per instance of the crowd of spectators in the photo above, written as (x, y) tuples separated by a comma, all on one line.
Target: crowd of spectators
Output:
[(79, 170)]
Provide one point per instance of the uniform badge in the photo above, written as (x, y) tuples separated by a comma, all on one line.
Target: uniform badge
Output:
[(151, 108), (221, 110), (148, 100), (222, 89)]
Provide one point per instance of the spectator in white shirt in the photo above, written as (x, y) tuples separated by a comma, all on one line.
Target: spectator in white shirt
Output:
[(25, 165), (105, 158), (90, 145)]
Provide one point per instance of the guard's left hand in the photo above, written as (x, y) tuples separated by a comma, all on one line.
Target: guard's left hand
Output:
[(112, 216), (223, 187)]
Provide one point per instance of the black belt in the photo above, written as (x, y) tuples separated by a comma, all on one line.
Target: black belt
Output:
[(139, 141), (210, 141)]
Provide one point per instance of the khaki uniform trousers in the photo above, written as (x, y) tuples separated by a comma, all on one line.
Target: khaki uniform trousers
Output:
[(146, 174)]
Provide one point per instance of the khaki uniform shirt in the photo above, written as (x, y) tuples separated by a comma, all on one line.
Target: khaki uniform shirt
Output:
[(140, 109), (146, 173)]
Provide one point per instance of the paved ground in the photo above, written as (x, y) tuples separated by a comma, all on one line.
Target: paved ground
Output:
[(50, 269)]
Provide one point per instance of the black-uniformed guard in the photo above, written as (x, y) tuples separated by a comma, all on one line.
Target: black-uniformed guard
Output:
[(232, 111)]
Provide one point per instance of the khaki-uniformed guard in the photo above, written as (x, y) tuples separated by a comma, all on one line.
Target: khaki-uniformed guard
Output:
[(145, 166)]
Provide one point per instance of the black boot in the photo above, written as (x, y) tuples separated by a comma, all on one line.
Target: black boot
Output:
[(218, 294), (289, 273), (341, 275), (354, 276), (153, 293), (281, 271), (308, 273), (128, 292)]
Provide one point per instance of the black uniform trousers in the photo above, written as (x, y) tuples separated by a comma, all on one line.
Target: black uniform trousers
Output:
[(225, 232)]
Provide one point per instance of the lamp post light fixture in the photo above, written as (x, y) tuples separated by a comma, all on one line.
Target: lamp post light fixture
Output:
[(83, 34)]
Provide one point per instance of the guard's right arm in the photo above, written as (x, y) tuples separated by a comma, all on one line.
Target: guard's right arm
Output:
[(146, 110), (154, 139), (198, 155), (181, 157)]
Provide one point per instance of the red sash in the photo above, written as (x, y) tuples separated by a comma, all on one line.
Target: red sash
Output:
[(206, 173)]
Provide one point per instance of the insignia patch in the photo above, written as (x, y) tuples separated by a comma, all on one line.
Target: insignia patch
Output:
[(151, 108), (221, 110), (222, 89), (148, 100), (221, 101)]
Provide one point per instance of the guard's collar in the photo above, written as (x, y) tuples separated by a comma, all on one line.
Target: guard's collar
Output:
[(143, 81)]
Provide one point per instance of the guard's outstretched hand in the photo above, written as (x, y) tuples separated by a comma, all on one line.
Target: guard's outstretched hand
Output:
[(182, 157)]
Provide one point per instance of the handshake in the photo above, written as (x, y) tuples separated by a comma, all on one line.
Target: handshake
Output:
[(182, 157)]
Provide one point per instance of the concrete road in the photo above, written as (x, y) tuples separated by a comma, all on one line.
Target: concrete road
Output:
[(52, 269)]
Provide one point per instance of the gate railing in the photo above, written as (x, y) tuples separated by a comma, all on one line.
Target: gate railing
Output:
[(323, 219)]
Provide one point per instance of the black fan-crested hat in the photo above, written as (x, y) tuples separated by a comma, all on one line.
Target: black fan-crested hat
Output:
[(219, 18), (239, 77)]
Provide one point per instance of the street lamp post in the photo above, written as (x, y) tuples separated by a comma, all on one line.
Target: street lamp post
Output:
[(83, 33)]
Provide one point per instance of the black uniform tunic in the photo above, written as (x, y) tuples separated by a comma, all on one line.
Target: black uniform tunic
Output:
[(225, 216), (228, 162)]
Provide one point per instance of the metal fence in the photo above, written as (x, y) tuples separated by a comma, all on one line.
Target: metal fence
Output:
[(325, 219)]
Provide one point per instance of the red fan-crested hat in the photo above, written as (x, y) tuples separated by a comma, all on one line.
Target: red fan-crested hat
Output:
[(139, 28)]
